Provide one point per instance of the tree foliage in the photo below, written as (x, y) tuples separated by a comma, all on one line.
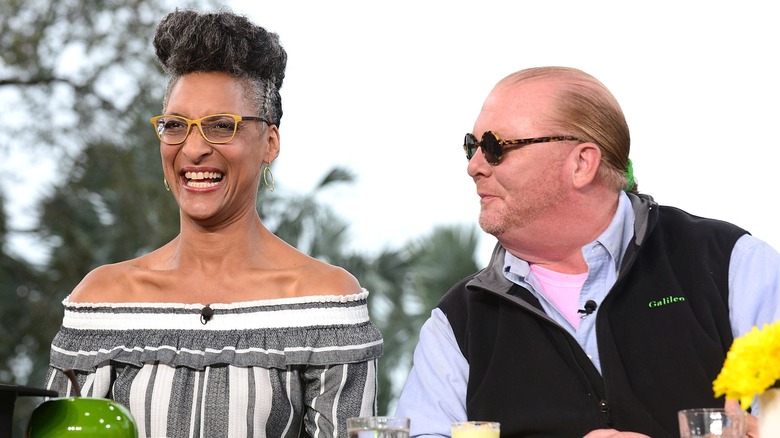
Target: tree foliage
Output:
[(76, 66), (75, 75), (409, 286)]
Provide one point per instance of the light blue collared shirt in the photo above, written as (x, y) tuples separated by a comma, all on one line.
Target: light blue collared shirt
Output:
[(435, 392), (603, 257)]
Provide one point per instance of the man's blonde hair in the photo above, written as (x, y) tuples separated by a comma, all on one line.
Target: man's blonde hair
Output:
[(586, 109)]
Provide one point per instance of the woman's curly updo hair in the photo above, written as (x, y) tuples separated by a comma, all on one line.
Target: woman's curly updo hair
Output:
[(188, 42)]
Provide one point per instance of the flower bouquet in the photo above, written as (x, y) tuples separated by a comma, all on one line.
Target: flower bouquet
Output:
[(752, 369)]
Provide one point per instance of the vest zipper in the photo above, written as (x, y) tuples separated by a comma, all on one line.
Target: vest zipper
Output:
[(604, 408)]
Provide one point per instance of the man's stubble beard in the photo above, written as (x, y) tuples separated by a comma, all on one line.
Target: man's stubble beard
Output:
[(544, 195)]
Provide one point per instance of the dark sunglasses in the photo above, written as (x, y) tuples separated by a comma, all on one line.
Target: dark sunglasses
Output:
[(492, 146)]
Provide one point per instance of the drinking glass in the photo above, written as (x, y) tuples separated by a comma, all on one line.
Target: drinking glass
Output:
[(711, 423), (378, 427), (476, 429)]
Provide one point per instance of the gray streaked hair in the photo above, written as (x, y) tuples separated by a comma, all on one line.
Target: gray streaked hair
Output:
[(189, 42)]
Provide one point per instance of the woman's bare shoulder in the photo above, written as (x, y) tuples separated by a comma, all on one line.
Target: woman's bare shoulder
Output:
[(104, 284), (305, 275), (321, 278)]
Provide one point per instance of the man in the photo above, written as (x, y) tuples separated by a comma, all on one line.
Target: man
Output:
[(601, 313)]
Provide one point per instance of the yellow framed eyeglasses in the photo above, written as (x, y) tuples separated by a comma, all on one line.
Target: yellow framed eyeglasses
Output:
[(215, 128)]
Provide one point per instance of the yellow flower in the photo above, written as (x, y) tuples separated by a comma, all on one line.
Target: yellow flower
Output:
[(752, 365)]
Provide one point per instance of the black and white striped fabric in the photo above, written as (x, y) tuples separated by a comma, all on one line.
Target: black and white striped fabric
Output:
[(272, 368)]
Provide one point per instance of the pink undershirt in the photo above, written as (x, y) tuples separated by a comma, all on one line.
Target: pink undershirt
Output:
[(562, 291)]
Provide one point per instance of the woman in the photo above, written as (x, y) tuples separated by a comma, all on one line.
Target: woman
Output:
[(226, 330)]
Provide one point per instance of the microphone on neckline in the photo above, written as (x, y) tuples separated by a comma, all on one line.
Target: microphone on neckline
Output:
[(590, 307), (205, 314)]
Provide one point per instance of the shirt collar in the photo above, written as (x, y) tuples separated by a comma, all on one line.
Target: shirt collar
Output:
[(614, 240)]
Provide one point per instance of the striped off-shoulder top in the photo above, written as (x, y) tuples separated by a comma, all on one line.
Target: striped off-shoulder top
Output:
[(287, 367)]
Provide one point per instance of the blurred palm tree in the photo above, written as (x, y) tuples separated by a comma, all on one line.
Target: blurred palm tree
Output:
[(431, 265)]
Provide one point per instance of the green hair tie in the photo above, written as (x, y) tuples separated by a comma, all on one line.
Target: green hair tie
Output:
[(630, 176)]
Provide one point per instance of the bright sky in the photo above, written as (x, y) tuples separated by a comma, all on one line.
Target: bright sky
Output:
[(388, 89)]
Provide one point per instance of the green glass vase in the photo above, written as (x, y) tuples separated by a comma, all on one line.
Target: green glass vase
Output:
[(72, 417)]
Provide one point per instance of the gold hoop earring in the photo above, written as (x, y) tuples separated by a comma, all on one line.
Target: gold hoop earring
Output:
[(266, 174), (165, 183)]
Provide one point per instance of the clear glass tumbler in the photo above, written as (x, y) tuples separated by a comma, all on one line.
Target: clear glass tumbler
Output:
[(378, 427), (711, 423)]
